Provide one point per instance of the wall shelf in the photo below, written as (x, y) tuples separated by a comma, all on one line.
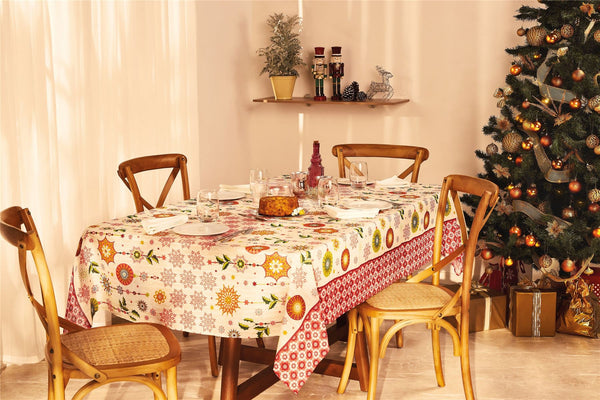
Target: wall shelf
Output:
[(309, 101)]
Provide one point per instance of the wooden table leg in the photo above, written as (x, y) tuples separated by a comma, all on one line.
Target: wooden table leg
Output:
[(231, 348)]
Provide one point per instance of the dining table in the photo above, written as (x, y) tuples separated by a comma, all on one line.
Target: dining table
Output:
[(292, 278)]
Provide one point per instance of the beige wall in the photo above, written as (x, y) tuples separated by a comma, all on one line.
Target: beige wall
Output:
[(447, 57)]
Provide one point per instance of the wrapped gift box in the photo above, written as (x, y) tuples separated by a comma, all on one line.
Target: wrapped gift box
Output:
[(488, 309), (532, 312), (593, 281)]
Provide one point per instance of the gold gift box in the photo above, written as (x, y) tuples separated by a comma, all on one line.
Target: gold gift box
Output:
[(487, 310), (532, 312)]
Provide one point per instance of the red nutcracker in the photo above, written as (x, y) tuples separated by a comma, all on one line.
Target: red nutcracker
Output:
[(336, 71), (319, 71)]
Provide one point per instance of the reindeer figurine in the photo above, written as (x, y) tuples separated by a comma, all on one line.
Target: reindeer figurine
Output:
[(383, 86)]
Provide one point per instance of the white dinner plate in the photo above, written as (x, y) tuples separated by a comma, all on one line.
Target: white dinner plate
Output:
[(382, 205), (201, 228), (230, 195), (346, 182)]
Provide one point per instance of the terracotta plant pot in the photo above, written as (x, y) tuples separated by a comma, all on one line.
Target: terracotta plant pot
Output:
[(283, 86)]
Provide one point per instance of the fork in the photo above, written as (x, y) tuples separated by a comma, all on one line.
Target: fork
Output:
[(231, 235)]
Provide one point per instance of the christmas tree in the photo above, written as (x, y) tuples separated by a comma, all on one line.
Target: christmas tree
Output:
[(545, 152)]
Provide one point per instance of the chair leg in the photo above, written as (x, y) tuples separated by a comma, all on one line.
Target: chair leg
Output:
[(399, 338), (352, 331), (172, 383), (374, 323), (212, 355), (155, 376), (465, 369), (50, 386), (437, 355)]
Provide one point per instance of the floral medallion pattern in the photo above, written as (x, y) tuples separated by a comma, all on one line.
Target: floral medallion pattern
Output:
[(284, 277)]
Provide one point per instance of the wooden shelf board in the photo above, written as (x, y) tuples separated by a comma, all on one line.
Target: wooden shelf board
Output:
[(309, 101)]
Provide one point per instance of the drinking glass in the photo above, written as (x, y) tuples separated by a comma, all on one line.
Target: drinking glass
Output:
[(207, 205), (299, 182), (279, 187), (359, 173), (258, 183), (328, 191)]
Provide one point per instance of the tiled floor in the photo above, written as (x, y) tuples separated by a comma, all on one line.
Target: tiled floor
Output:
[(504, 367)]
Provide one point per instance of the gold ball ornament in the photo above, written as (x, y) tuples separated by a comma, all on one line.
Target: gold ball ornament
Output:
[(525, 104), (594, 207), (527, 144), (521, 31), (515, 193), (491, 149), (592, 141), (508, 262), (597, 35), (511, 142), (530, 240), (594, 195), (546, 140), (514, 230), (578, 75), (553, 37), (532, 190), (536, 126), (575, 104), (568, 212), (515, 69), (545, 261), (557, 164), (536, 36), (597, 150), (486, 254), (567, 31), (594, 103), (519, 118), (567, 265), (518, 161), (556, 81), (574, 186), (596, 233)]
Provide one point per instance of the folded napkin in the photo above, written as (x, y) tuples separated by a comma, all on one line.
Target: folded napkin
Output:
[(153, 225), (236, 188), (348, 213), (392, 182)]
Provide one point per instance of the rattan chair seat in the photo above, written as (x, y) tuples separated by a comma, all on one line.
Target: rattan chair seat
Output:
[(118, 344), (413, 296)]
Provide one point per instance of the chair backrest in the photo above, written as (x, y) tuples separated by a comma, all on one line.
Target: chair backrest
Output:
[(415, 153), (452, 188), (11, 220), (177, 162)]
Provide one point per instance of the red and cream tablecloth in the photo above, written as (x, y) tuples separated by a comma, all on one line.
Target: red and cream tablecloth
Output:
[(287, 277)]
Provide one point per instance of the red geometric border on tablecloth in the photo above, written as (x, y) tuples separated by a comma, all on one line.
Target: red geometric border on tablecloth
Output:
[(297, 359), (74, 312)]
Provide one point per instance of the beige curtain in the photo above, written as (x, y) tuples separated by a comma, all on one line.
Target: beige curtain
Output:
[(83, 86)]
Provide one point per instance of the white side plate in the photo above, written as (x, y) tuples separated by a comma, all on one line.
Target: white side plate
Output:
[(229, 195), (346, 182), (201, 229), (382, 205)]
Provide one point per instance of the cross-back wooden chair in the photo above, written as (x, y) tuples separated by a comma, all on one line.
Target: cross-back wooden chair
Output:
[(177, 163), (418, 154), (130, 352), (415, 301)]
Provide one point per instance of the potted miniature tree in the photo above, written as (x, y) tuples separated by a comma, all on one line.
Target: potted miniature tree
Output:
[(282, 55)]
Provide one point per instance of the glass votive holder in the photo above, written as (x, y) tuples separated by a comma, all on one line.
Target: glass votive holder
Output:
[(328, 191)]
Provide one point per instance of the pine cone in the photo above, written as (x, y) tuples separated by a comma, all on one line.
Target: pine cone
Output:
[(362, 96), (350, 92)]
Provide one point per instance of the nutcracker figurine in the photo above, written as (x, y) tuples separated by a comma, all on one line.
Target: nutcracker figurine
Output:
[(319, 70), (336, 71)]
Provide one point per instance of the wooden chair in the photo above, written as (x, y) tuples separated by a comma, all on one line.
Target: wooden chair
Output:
[(177, 162), (130, 352), (418, 154), (414, 301)]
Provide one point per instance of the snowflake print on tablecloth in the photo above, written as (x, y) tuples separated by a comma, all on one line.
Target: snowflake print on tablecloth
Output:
[(107, 250), (188, 279), (366, 251), (276, 266), (167, 317), (168, 277), (106, 284), (143, 276), (165, 239), (299, 277), (208, 280), (206, 322), (228, 300), (187, 241), (84, 293), (176, 258), (198, 300), (84, 257), (196, 259), (187, 319), (137, 255), (178, 298)]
